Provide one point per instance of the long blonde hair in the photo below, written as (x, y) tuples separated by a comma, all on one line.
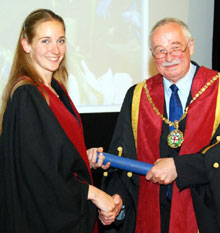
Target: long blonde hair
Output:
[(22, 65)]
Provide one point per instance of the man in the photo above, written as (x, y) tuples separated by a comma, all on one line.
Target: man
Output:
[(176, 195)]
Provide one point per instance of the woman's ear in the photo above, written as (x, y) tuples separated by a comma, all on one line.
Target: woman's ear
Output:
[(25, 45)]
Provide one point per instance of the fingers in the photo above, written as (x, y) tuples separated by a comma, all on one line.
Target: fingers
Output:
[(106, 166), (116, 199), (118, 202), (100, 160), (163, 172), (100, 149), (109, 206), (92, 157), (91, 153), (108, 217), (153, 177)]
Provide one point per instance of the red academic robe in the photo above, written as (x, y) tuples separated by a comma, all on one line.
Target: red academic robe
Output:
[(141, 134)]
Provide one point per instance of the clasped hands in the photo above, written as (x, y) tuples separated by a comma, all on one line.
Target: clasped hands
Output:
[(108, 217), (108, 206)]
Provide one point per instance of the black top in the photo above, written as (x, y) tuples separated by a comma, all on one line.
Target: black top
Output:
[(39, 192)]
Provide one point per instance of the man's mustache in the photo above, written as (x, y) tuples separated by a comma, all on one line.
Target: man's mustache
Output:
[(174, 62)]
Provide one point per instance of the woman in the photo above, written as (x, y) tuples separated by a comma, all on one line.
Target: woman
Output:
[(46, 183)]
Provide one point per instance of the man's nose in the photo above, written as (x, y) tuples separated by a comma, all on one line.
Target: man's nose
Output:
[(169, 56)]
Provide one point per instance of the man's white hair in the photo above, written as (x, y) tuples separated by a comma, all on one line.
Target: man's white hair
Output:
[(166, 21)]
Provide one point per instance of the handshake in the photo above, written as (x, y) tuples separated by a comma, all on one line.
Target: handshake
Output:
[(108, 206)]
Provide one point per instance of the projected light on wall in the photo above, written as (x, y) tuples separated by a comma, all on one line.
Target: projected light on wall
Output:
[(106, 45)]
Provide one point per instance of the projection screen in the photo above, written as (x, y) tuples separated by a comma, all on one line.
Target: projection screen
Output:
[(106, 47)]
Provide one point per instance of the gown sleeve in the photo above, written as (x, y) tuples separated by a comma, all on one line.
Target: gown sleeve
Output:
[(41, 169), (117, 181), (195, 169)]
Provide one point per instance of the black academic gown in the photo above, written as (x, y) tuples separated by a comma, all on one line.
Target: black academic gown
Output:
[(40, 192), (192, 170)]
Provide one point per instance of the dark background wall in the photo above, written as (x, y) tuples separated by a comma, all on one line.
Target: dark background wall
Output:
[(98, 131), (98, 128)]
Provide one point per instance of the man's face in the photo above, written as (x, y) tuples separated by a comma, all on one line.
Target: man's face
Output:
[(172, 66)]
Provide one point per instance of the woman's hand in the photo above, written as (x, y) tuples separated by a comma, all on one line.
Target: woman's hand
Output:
[(92, 156), (109, 206)]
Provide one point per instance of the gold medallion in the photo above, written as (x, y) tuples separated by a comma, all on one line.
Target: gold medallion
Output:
[(175, 138)]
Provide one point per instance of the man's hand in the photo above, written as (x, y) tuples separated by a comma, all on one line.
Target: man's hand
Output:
[(163, 171)]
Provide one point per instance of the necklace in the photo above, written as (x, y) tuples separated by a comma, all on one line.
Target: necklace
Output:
[(175, 137)]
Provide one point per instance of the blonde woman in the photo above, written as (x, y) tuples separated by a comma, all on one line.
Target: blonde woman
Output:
[(46, 183)]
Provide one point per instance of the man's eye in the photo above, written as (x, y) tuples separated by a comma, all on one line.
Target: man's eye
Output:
[(160, 50), (176, 48)]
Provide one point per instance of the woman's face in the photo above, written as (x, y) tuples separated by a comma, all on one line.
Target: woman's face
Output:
[(47, 48)]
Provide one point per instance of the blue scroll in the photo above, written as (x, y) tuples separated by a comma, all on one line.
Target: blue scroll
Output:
[(123, 163)]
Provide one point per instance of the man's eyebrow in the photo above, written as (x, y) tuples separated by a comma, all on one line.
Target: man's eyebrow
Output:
[(176, 42)]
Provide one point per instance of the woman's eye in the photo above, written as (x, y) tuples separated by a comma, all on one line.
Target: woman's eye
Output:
[(45, 41), (62, 41)]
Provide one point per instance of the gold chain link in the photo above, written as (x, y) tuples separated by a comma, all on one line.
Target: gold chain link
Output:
[(176, 123)]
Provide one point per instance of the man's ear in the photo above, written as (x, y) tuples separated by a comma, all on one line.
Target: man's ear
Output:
[(191, 46), (25, 45)]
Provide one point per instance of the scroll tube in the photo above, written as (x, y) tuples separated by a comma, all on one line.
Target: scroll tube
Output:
[(127, 164)]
